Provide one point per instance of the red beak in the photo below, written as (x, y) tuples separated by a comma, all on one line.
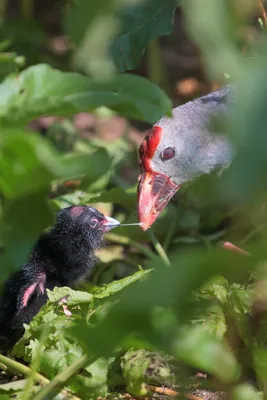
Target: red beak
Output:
[(155, 190)]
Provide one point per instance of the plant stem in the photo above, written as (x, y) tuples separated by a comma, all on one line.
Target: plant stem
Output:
[(3, 6), (156, 68), (17, 367), (170, 233), (154, 62), (35, 366), (27, 8), (158, 247), (125, 240), (22, 369), (61, 379)]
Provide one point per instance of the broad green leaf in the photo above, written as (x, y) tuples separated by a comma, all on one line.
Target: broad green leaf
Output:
[(246, 391), (141, 23), (59, 354), (73, 297), (199, 348), (29, 163), (127, 198), (42, 90)]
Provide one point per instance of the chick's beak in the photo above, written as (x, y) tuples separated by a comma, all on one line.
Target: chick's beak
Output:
[(155, 190), (110, 223)]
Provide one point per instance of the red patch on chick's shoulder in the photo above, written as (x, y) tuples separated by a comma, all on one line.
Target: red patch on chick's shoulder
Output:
[(37, 286), (148, 146), (28, 293)]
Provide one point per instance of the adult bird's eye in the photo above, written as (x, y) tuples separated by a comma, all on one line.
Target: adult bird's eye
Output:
[(93, 222), (167, 153)]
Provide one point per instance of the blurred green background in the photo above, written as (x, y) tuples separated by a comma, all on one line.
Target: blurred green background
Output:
[(167, 311)]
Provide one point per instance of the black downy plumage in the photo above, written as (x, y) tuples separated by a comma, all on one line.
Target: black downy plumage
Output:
[(61, 257)]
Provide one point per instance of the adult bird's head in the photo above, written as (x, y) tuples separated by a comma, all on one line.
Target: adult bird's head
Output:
[(178, 149)]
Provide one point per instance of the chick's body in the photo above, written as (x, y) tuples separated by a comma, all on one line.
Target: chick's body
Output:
[(61, 257)]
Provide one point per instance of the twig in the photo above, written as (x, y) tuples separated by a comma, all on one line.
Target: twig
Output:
[(61, 379), (263, 12), (158, 247), (170, 392)]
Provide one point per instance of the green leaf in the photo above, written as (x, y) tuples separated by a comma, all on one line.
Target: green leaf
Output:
[(199, 348), (42, 90), (211, 23), (260, 363), (141, 366), (99, 376), (174, 288), (116, 286), (59, 354), (94, 26), (91, 25), (246, 391), (37, 163), (127, 198), (13, 386), (240, 298), (73, 297), (216, 287), (141, 23), (10, 62), (83, 13)]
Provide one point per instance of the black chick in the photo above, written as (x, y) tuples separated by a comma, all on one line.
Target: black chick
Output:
[(61, 257)]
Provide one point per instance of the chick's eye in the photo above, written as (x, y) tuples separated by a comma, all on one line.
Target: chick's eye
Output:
[(93, 222), (167, 153)]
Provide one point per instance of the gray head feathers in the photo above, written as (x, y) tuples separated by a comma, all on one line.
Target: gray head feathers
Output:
[(199, 149)]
